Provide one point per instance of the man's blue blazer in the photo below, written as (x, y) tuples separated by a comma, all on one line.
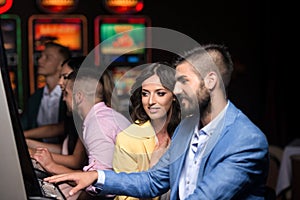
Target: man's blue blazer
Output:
[(234, 166)]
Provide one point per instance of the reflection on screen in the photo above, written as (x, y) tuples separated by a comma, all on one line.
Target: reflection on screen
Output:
[(8, 27)]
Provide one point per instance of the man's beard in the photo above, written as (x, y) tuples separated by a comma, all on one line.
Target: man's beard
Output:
[(197, 105), (204, 105)]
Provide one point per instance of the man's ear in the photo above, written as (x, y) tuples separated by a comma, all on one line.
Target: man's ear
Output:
[(78, 97), (210, 80)]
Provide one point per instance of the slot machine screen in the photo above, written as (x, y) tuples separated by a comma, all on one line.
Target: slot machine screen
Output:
[(67, 30), (11, 32), (121, 44), (122, 40)]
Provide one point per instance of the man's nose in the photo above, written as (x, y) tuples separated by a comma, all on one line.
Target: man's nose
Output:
[(40, 59), (177, 88)]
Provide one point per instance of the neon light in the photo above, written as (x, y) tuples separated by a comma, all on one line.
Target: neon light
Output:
[(57, 6), (129, 3), (6, 6), (57, 2), (139, 6), (124, 6)]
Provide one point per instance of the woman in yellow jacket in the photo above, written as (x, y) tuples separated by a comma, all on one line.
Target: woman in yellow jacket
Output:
[(156, 113)]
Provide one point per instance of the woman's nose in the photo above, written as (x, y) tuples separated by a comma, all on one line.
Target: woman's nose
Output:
[(152, 99)]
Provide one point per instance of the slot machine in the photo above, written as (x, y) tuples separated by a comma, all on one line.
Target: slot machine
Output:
[(11, 30), (120, 45), (68, 30)]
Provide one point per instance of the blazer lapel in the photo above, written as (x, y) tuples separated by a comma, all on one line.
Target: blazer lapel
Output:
[(179, 149), (229, 117), (149, 144)]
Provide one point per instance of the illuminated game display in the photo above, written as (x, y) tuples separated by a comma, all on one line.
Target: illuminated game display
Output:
[(123, 40), (11, 31), (126, 41), (68, 30), (120, 43), (63, 33)]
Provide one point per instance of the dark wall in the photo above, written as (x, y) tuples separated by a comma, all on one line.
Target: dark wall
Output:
[(249, 28)]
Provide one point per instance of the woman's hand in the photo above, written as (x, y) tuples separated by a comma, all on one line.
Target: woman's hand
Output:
[(44, 158)]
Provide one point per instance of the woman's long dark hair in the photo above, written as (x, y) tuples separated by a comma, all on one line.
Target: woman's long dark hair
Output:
[(108, 86)]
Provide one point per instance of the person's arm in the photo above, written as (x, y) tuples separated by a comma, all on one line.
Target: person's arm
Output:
[(46, 131), (74, 161), (82, 179), (154, 183), (128, 184), (45, 159), (53, 148)]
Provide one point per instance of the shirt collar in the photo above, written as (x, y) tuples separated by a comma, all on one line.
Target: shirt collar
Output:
[(144, 130), (56, 91), (215, 124)]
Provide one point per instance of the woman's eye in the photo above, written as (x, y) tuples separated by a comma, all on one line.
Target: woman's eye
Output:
[(161, 94), (144, 94)]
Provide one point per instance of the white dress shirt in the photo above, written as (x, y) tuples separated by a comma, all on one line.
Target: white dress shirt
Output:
[(49, 109), (190, 171)]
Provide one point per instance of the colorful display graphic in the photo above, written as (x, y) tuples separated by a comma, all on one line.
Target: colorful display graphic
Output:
[(121, 40), (66, 34), (117, 39)]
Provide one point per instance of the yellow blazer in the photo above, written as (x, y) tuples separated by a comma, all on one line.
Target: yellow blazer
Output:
[(133, 150)]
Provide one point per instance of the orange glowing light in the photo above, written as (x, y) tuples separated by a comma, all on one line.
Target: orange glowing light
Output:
[(57, 6), (124, 6)]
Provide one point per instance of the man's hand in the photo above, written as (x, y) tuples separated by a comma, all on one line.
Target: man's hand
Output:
[(82, 179)]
